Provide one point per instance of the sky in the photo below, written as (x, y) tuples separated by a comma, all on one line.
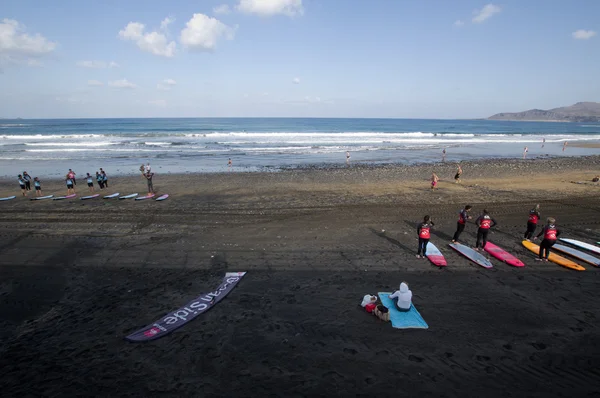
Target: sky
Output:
[(295, 58)]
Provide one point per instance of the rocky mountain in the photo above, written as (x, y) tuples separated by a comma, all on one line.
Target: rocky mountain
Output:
[(580, 112)]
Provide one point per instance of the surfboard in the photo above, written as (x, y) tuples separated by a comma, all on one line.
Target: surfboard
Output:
[(555, 258), (163, 197), (434, 255), (582, 245), (90, 197), (65, 197), (8, 198), (502, 255), (114, 195), (43, 197), (133, 195), (472, 255), (577, 254), (145, 197)]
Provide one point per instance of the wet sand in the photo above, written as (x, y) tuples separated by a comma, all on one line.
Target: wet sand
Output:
[(77, 276)]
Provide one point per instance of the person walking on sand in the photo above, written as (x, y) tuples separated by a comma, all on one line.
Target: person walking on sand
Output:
[(38, 186), (70, 185), (90, 182), (484, 222), (534, 216), (565, 145), (22, 185), (424, 233), (150, 186), (434, 181), (458, 174), (100, 180), (27, 179), (525, 150), (402, 297), (463, 216), (444, 155), (71, 175), (551, 233)]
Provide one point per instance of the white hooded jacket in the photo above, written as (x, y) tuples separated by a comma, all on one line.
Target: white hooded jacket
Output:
[(404, 296)]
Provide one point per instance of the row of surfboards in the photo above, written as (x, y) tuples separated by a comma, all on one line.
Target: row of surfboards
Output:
[(113, 196), (437, 258)]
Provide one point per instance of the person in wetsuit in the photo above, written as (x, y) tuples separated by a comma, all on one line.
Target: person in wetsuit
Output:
[(534, 216), (463, 216), (27, 179), (484, 222), (424, 233), (551, 233)]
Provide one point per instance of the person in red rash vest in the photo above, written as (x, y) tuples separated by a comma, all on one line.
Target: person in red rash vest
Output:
[(484, 222), (550, 233), (424, 232), (534, 217)]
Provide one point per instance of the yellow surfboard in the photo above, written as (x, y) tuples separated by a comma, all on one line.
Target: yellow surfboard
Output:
[(555, 258)]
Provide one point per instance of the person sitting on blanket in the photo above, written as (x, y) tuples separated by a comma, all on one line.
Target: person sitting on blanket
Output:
[(368, 302), (402, 298)]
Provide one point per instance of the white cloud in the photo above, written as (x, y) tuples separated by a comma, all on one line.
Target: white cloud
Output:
[(97, 64), (458, 23), (153, 42), (222, 9), (122, 83), (94, 83), (113, 64), (159, 102), (164, 24), (16, 45), (485, 13), (202, 32), (267, 8), (166, 84), (296, 80), (583, 34)]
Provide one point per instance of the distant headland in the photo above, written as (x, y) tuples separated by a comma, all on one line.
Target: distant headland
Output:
[(588, 112)]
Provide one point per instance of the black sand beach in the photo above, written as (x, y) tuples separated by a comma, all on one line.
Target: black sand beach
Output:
[(76, 277)]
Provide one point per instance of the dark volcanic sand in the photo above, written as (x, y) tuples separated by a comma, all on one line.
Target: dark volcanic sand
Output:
[(76, 277)]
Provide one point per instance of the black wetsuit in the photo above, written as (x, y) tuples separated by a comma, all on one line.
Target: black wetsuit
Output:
[(463, 216)]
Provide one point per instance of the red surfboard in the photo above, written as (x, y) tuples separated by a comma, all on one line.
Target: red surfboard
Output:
[(502, 255)]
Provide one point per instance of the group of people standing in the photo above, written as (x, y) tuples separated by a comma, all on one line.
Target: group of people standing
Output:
[(70, 180), (484, 223)]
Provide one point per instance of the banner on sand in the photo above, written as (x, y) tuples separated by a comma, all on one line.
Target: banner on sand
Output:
[(191, 310)]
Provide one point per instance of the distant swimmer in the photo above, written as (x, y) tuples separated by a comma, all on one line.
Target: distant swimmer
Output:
[(444, 155), (484, 222), (534, 216), (458, 174), (525, 150), (424, 233), (565, 145), (463, 216), (434, 181), (550, 233)]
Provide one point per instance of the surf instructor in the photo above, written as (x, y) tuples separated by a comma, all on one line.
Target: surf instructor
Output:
[(463, 216), (484, 222), (424, 232)]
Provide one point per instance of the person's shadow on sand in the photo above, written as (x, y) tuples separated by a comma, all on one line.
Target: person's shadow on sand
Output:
[(391, 240)]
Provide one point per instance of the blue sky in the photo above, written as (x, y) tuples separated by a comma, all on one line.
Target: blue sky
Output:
[(302, 58)]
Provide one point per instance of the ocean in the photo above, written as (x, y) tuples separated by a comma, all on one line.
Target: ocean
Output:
[(50, 147)]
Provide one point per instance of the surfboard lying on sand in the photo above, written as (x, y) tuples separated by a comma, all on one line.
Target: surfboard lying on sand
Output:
[(577, 254), (90, 196), (555, 258), (114, 195), (8, 198), (145, 197), (43, 197), (472, 255), (435, 255), (133, 195), (163, 197), (65, 197), (502, 255), (582, 245)]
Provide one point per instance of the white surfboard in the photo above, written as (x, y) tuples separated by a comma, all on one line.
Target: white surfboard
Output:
[(65, 197), (43, 197), (114, 195), (582, 245), (133, 195), (144, 197), (163, 197), (90, 196), (8, 198)]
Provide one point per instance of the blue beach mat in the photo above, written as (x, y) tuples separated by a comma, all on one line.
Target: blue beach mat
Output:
[(403, 320)]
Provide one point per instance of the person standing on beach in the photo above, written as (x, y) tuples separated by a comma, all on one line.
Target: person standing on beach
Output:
[(150, 186), (458, 174), (38, 186), (22, 185), (71, 175), (444, 155), (525, 150), (70, 185), (424, 233), (565, 145), (90, 182), (27, 179), (104, 178), (463, 216), (543, 142), (229, 164), (550, 233), (484, 222), (100, 180), (434, 181), (534, 216), (347, 156)]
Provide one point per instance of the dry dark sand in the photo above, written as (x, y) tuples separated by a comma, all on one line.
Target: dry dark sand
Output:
[(76, 277)]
